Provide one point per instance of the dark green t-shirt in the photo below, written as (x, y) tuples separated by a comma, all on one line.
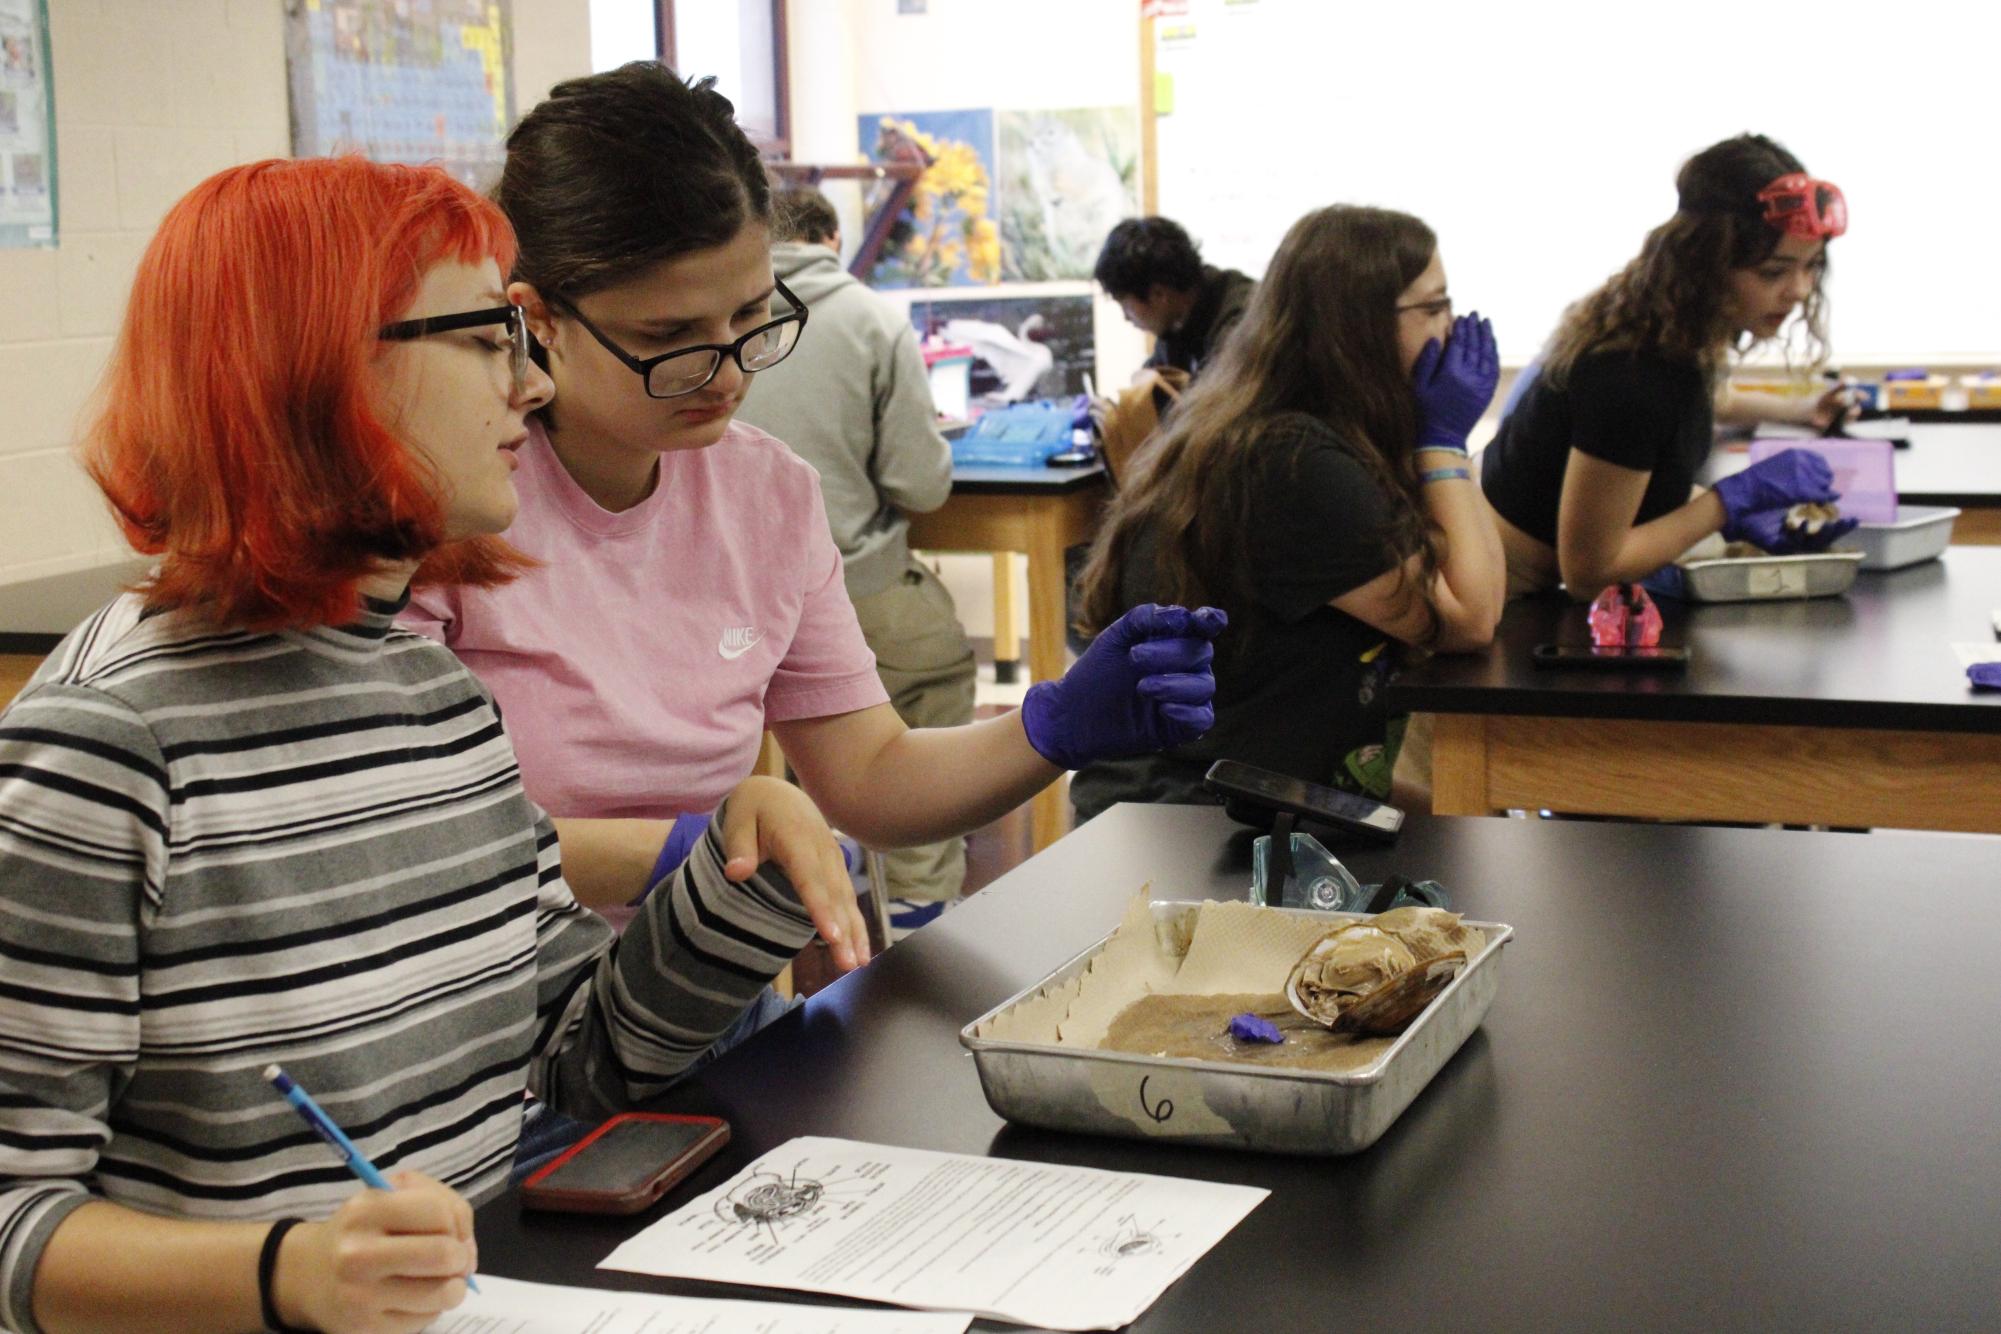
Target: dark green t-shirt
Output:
[(1298, 684)]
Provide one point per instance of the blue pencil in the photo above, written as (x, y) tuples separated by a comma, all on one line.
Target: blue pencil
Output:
[(316, 1117)]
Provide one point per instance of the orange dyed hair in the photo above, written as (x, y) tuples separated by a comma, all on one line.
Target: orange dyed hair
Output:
[(240, 438)]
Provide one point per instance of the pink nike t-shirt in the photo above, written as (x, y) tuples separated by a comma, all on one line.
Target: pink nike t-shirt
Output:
[(636, 669)]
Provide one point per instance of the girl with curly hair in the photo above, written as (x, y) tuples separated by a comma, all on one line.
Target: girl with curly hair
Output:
[(1592, 471)]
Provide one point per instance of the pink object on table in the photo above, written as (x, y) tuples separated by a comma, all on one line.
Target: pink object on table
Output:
[(1864, 472), (1623, 616)]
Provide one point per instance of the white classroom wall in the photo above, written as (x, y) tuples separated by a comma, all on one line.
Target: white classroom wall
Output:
[(151, 96)]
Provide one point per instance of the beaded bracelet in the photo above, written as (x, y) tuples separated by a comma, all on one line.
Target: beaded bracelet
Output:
[(1445, 475)]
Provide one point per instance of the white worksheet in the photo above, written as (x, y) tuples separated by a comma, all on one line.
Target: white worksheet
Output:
[(504, 1306), (1061, 1247)]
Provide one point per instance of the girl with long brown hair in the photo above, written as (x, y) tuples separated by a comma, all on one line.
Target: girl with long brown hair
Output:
[(1592, 470), (1314, 484)]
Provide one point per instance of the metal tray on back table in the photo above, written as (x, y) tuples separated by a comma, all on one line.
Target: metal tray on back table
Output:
[(1756, 578), (1920, 533), (1223, 1104)]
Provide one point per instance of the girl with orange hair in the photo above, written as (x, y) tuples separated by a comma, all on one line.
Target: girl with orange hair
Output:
[(246, 821)]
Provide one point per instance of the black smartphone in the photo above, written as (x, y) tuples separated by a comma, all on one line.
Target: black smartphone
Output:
[(625, 1164), (1262, 789), (1633, 658)]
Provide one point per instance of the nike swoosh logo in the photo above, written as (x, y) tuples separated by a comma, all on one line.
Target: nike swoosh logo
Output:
[(738, 640)]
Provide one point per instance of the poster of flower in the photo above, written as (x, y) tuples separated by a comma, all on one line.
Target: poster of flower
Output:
[(946, 236), (1067, 178)]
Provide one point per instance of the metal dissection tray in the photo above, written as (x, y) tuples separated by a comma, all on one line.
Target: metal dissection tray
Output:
[(1756, 578), (1222, 1104), (1920, 533)]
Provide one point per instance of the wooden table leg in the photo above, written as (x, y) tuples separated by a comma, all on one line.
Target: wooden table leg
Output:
[(1007, 643), (1459, 765)]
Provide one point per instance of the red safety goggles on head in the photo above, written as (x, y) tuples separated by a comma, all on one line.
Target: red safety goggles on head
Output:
[(1799, 205)]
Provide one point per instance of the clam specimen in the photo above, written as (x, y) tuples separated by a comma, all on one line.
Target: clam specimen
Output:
[(1376, 976), (1809, 518)]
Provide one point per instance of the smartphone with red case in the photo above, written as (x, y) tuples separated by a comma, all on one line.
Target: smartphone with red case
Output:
[(625, 1164)]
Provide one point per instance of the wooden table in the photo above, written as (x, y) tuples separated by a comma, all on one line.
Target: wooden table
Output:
[(1848, 711), (1734, 1080), (1040, 511), (1949, 463)]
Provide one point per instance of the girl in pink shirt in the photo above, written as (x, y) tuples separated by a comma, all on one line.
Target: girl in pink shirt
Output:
[(690, 592)]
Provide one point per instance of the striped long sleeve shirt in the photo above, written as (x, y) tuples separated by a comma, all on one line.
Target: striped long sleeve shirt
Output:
[(221, 850)]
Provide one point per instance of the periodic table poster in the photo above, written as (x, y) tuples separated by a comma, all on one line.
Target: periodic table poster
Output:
[(403, 81), (27, 127)]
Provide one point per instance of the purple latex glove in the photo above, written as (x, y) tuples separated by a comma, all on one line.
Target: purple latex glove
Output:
[(1789, 477), (1767, 529), (1667, 582), (1985, 675), (681, 840), (1143, 685), (1455, 383), (1251, 1028)]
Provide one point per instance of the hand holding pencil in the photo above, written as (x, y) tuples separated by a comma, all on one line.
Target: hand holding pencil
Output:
[(392, 1258)]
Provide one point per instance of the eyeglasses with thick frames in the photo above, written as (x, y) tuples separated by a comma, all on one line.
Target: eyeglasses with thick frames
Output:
[(687, 369), (517, 333)]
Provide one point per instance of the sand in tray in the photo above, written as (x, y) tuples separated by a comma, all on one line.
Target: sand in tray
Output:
[(1198, 1028)]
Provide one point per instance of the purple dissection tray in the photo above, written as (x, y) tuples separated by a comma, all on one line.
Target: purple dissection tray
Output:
[(1864, 472)]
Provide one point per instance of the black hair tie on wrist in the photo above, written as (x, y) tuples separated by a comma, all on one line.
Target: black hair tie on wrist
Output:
[(267, 1264)]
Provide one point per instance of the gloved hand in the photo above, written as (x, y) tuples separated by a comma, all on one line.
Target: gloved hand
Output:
[(1667, 582), (1143, 685), (686, 832), (1455, 383), (1767, 530), (1789, 477), (1985, 675)]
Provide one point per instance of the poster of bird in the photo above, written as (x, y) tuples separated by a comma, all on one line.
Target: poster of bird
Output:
[(1023, 347), (1066, 179)]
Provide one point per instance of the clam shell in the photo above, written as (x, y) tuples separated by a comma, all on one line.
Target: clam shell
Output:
[(1430, 932), (1347, 963), (1390, 1008), (1376, 976)]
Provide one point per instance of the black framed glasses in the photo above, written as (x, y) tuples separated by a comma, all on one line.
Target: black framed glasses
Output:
[(687, 369), (517, 333)]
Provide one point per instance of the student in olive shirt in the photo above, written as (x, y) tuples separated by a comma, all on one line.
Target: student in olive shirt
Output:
[(1591, 472), (1155, 273), (1315, 486)]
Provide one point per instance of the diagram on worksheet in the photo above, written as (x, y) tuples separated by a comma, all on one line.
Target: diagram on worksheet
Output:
[(767, 1208), (1035, 1243), (1130, 1238)]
